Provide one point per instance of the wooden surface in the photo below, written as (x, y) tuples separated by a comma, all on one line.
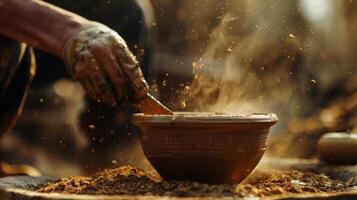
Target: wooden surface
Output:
[(151, 106)]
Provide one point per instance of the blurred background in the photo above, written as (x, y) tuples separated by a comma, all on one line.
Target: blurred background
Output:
[(294, 58)]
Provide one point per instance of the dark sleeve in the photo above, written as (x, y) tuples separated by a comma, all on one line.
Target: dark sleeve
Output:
[(16, 73), (7, 51)]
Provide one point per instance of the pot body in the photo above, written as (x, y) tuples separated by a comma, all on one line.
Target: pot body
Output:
[(205, 152), (338, 148)]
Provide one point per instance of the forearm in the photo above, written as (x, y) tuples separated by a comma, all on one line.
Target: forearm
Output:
[(38, 24)]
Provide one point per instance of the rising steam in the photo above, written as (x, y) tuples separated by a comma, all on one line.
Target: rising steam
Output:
[(243, 74), (272, 57)]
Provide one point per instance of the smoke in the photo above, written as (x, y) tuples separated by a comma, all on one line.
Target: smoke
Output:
[(244, 74), (271, 56)]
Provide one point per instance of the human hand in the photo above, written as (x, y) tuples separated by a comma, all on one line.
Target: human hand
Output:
[(101, 61)]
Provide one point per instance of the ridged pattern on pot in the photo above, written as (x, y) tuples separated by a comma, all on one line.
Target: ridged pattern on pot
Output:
[(196, 141), (205, 148)]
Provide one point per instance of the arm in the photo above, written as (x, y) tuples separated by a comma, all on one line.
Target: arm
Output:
[(39, 24), (94, 54)]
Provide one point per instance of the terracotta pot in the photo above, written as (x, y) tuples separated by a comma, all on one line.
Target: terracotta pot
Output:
[(203, 147), (338, 148)]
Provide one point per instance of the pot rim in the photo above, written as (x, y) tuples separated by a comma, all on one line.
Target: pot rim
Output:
[(204, 117)]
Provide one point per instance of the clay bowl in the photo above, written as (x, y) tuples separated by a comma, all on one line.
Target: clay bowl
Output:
[(203, 147), (338, 148)]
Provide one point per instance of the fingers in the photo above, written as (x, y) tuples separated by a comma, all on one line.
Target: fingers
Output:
[(112, 69), (107, 67), (132, 71), (89, 88), (84, 80), (100, 84)]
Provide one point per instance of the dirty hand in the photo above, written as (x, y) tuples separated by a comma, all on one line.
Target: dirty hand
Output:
[(100, 59)]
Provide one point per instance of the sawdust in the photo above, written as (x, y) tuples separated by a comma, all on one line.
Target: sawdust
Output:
[(132, 181)]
